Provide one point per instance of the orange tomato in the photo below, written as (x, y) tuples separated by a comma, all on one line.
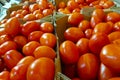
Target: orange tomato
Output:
[(12, 26), (97, 41), (82, 45), (29, 48), (88, 33), (5, 37), (6, 46), (84, 24), (75, 18), (43, 4), (12, 57), (29, 17), (85, 67), (46, 27), (80, 1), (33, 7), (116, 26), (37, 12), (61, 5), (113, 17), (71, 4), (35, 36), (4, 75), (44, 51), (29, 27), (41, 69), (110, 56), (48, 39), (47, 12), (108, 4), (20, 41), (69, 52), (73, 34), (39, 16)]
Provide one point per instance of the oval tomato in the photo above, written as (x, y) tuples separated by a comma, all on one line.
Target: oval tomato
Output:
[(69, 52), (5, 75), (41, 69), (88, 65)]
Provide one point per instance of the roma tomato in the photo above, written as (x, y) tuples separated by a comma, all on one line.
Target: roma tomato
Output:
[(12, 26), (41, 69), (105, 73), (73, 34), (48, 39), (29, 48), (6, 46), (110, 56), (29, 27), (88, 67), (69, 52), (12, 57), (5, 37), (5, 75), (97, 41)]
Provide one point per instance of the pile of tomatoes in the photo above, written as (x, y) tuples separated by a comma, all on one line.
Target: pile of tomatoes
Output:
[(91, 47)]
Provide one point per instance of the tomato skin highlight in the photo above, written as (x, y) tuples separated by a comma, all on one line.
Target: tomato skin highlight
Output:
[(69, 52)]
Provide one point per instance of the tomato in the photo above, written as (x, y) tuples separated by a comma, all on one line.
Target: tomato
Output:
[(114, 35), (11, 58), (88, 65), (88, 33), (2, 65), (82, 45), (35, 36), (46, 27), (62, 4), (41, 69), (113, 17), (114, 78), (20, 40), (33, 7), (103, 28), (69, 52), (44, 51), (47, 12), (110, 56), (29, 27), (48, 39), (75, 18), (5, 37), (108, 4), (29, 17), (37, 12), (4, 75), (29, 48), (97, 41), (19, 72), (105, 73), (12, 26), (6, 46), (71, 4), (73, 34), (43, 5), (117, 26), (84, 24)]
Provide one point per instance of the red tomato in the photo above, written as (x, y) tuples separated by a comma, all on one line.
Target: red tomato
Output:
[(29, 27), (29, 48), (97, 41), (19, 72), (110, 57), (69, 52), (41, 69), (88, 33), (5, 37), (88, 67), (6, 46), (73, 34), (48, 39), (4, 75), (82, 45), (11, 58), (105, 73), (35, 36), (12, 26)]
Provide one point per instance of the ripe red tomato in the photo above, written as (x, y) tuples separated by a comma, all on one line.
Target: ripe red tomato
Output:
[(69, 52), (105, 73), (41, 69), (73, 34), (6, 46), (5, 37), (29, 27), (48, 39), (29, 48), (12, 26), (11, 58), (110, 57), (5, 75), (97, 41), (88, 67)]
